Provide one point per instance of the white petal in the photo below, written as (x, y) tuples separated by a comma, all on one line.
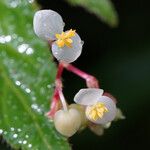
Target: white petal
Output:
[(88, 96), (47, 23), (68, 54), (108, 116)]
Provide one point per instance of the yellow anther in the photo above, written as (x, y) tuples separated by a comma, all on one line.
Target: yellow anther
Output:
[(65, 38), (96, 111)]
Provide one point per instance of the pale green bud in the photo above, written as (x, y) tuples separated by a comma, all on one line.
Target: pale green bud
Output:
[(119, 115), (97, 129), (81, 110), (67, 122)]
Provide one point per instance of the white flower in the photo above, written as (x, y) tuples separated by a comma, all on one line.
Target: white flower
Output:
[(47, 23), (99, 109), (68, 54), (66, 46)]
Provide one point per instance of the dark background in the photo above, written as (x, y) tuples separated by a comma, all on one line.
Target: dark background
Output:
[(120, 59)]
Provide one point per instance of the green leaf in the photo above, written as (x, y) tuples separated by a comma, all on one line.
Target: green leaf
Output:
[(27, 75), (102, 8)]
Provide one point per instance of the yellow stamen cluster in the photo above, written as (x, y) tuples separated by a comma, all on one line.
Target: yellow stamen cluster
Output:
[(96, 111), (65, 38)]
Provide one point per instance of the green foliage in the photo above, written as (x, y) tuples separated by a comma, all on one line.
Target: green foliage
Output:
[(26, 81), (102, 8)]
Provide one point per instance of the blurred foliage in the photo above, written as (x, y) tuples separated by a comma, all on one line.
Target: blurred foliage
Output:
[(102, 8), (26, 81)]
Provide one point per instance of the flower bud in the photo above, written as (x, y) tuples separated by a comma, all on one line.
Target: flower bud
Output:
[(67, 122), (81, 110), (107, 125), (119, 115), (97, 129)]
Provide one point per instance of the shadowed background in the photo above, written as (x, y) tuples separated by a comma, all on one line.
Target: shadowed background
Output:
[(120, 59)]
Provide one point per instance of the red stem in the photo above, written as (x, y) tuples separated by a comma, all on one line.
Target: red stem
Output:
[(58, 85), (77, 71), (59, 71), (91, 81)]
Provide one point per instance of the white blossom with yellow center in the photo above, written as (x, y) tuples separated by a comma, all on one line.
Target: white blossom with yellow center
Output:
[(49, 26), (99, 109)]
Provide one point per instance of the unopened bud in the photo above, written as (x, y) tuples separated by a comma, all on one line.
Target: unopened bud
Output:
[(119, 115), (81, 110), (67, 122), (107, 125), (97, 129)]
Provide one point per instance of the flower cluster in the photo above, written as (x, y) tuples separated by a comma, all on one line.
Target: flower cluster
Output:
[(100, 109), (93, 107)]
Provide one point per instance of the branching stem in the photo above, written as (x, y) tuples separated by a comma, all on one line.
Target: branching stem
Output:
[(91, 82)]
